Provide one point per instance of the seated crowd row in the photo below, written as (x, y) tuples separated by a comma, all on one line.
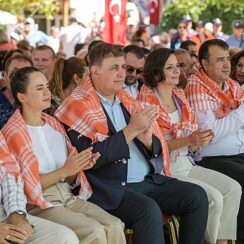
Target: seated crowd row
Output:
[(88, 151)]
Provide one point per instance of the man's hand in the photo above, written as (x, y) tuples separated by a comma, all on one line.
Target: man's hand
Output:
[(21, 221), (140, 122), (10, 232), (146, 138)]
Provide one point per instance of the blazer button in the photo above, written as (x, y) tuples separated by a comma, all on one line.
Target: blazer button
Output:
[(123, 183), (124, 161)]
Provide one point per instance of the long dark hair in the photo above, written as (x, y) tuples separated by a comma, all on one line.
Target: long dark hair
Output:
[(19, 80)]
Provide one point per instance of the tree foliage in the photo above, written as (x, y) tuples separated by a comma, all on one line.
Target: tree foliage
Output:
[(21, 8), (207, 10)]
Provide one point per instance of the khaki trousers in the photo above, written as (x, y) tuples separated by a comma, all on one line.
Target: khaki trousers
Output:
[(89, 222), (46, 232), (224, 194)]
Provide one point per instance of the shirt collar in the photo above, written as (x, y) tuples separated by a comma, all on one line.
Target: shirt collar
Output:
[(104, 100)]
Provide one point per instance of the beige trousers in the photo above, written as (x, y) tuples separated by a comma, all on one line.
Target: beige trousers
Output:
[(47, 232), (224, 196), (89, 222)]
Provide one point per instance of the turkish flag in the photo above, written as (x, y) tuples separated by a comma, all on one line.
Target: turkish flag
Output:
[(115, 21), (154, 11)]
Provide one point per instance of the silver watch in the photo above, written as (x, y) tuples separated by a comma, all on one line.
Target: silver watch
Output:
[(20, 212)]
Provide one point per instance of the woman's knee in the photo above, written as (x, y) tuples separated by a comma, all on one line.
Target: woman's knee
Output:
[(215, 201), (235, 190)]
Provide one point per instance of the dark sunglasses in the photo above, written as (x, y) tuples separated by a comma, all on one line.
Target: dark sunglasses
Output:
[(131, 69)]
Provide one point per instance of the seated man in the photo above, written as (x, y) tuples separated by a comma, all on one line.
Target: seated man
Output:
[(124, 181), (219, 105), (15, 225)]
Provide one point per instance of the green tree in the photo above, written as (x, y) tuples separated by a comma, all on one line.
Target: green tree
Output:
[(23, 7), (227, 11)]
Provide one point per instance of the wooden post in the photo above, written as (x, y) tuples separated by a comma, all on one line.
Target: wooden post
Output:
[(65, 12)]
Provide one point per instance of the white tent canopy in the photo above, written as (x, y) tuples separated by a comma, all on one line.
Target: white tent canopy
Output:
[(7, 18)]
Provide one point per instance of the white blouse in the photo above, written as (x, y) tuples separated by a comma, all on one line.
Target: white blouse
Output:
[(49, 146), (175, 118)]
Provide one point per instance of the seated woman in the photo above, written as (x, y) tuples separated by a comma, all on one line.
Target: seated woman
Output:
[(237, 68), (66, 76), (50, 165), (178, 122)]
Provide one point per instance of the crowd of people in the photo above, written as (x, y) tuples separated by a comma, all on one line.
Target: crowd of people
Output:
[(98, 137)]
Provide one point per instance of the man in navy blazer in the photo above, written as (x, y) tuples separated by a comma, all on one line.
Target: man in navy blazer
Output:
[(123, 180)]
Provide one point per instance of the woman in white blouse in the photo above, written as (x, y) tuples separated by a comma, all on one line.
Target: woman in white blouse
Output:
[(50, 165)]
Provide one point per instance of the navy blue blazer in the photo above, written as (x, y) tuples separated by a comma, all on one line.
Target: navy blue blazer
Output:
[(109, 174)]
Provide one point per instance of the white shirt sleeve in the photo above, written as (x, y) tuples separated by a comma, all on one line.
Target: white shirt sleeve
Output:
[(224, 126)]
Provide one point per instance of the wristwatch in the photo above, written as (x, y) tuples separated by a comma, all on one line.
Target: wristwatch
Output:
[(20, 212)]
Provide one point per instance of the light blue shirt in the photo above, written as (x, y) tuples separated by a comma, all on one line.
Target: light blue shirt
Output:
[(132, 89), (234, 42), (138, 167)]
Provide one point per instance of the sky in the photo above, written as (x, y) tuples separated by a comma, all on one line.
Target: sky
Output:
[(85, 12)]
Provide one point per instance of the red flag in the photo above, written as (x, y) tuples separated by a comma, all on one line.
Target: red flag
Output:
[(154, 11), (115, 21)]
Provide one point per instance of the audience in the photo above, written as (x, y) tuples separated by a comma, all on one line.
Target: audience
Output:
[(185, 65), (218, 103), (237, 68), (43, 58), (134, 60), (124, 180), (237, 37), (67, 75), (50, 165), (178, 122), (15, 225), (6, 98)]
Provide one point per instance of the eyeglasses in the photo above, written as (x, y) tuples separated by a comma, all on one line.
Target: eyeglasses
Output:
[(181, 27), (131, 69)]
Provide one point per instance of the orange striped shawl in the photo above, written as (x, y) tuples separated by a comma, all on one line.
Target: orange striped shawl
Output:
[(188, 122), (7, 161), (83, 112), (19, 143), (202, 93)]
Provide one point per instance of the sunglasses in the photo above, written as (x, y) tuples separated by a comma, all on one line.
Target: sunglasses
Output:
[(131, 69)]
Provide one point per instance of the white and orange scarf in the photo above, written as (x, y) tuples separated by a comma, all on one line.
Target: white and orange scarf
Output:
[(19, 142), (7, 161), (83, 112), (188, 122), (203, 93)]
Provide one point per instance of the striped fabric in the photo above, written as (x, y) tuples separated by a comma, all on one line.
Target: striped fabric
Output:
[(19, 143), (202, 93), (188, 122), (7, 161), (83, 112)]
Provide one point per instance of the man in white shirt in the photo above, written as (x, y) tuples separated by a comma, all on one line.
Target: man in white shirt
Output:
[(71, 35), (219, 105), (16, 226), (134, 59)]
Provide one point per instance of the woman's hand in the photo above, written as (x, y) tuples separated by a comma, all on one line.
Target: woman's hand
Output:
[(200, 138), (76, 162)]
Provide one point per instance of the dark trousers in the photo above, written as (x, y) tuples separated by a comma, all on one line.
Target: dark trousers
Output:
[(233, 166), (145, 202)]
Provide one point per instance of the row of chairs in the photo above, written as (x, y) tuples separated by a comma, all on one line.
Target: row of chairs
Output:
[(171, 229)]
